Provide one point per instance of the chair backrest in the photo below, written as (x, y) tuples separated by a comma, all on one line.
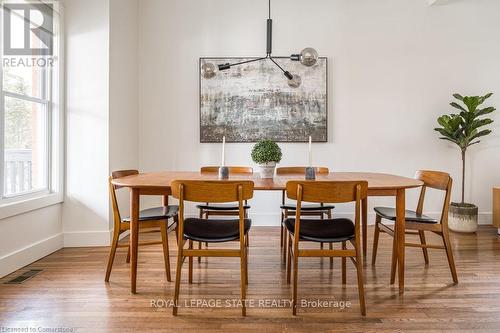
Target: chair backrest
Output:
[(300, 170), (327, 191), (212, 190), (122, 173), (439, 181), (232, 169), (112, 192)]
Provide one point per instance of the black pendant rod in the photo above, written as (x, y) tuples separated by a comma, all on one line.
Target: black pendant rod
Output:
[(287, 73), (228, 65), (269, 46)]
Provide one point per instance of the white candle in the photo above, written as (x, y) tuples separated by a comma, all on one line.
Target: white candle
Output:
[(223, 150), (310, 151)]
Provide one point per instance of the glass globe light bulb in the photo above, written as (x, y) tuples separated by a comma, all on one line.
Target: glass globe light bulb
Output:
[(208, 70), (308, 56), (295, 81)]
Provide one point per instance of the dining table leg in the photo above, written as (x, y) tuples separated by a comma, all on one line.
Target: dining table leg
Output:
[(400, 237), (134, 236), (364, 224)]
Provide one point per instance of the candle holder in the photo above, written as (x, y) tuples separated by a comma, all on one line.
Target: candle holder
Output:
[(310, 173), (223, 172)]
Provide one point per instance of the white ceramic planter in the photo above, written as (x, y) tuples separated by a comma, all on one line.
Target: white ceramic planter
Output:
[(267, 170), (462, 218)]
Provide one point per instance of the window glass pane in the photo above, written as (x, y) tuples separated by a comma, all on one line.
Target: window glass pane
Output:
[(23, 80), (25, 140)]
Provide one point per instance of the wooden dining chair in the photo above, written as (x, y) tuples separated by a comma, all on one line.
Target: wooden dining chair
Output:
[(212, 230), (319, 210), (417, 223), (210, 209), (338, 230), (158, 219)]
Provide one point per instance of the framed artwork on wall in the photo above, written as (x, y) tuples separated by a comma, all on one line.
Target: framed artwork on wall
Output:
[(253, 101)]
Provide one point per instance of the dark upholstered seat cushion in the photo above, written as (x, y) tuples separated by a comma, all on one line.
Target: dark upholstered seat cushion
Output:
[(214, 230), (410, 215), (156, 213), (293, 207), (221, 207), (330, 230)]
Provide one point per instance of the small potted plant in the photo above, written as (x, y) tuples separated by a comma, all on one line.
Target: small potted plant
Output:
[(266, 153), (463, 129)]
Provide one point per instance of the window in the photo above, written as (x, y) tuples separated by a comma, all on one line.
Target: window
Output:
[(30, 114)]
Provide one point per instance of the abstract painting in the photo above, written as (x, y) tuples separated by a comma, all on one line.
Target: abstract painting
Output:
[(253, 101)]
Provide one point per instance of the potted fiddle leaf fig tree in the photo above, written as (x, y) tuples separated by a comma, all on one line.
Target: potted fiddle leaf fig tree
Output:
[(266, 153), (464, 129)]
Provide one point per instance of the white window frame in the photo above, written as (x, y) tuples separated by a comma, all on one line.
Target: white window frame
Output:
[(54, 193)]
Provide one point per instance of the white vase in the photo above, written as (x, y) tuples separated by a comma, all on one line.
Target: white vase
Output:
[(267, 170)]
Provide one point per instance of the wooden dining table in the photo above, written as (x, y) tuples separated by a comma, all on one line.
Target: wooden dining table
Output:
[(379, 184)]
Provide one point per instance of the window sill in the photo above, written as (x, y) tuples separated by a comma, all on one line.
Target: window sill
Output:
[(29, 204)]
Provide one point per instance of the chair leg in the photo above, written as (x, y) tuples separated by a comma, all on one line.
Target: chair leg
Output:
[(246, 267), (128, 255), (322, 217), (376, 235), (243, 282), (344, 264), (199, 243), (282, 231), (247, 240), (394, 259), (449, 253), (178, 271), (199, 248), (295, 282), (289, 259), (285, 245), (329, 215), (190, 272), (207, 214), (361, 283), (166, 254), (176, 220), (330, 246), (285, 236), (424, 250), (112, 252)]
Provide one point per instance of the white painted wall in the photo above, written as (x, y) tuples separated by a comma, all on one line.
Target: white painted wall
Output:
[(123, 91), (393, 65), (86, 207)]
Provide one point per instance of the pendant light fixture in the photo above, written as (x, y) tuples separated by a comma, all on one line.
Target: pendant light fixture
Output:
[(308, 57)]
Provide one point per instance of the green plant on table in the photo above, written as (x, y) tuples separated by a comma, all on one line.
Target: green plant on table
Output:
[(266, 151)]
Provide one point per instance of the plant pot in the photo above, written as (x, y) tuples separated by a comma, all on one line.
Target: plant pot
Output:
[(462, 217), (267, 170)]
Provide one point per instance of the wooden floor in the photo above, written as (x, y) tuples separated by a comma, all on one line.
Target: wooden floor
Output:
[(71, 294)]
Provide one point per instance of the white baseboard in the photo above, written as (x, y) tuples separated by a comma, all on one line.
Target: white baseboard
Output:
[(29, 254), (87, 238)]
